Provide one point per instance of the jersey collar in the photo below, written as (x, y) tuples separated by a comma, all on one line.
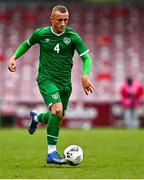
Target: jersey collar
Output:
[(56, 33)]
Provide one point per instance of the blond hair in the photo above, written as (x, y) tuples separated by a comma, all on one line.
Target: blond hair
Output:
[(59, 8)]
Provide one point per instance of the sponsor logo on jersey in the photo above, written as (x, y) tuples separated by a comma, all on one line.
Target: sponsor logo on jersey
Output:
[(55, 96), (47, 40), (67, 40)]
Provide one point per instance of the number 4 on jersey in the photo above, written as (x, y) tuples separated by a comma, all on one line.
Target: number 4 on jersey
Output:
[(56, 48)]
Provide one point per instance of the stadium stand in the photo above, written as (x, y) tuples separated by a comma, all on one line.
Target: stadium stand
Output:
[(114, 35)]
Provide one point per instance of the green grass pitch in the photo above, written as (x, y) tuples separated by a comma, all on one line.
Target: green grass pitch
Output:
[(108, 153)]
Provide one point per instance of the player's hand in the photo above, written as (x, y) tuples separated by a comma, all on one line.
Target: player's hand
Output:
[(12, 65), (87, 86)]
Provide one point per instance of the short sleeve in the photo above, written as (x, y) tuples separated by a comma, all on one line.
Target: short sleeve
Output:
[(34, 38), (80, 46)]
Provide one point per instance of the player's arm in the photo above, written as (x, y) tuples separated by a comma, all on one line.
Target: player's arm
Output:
[(87, 63), (19, 52), (22, 49)]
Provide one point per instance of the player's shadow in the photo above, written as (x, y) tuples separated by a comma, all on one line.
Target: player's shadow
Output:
[(58, 166)]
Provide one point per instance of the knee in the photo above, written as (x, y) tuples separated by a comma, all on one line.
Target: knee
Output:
[(57, 110)]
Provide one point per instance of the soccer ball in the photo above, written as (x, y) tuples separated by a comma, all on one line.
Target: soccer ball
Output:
[(73, 154)]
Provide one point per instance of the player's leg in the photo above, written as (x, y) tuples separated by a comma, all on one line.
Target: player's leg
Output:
[(53, 134), (57, 110), (51, 96), (65, 95), (36, 118), (135, 118), (33, 126), (48, 91)]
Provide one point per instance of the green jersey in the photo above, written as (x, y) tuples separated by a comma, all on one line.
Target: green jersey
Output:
[(56, 53)]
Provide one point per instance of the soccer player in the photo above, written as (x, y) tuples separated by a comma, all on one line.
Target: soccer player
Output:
[(57, 45)]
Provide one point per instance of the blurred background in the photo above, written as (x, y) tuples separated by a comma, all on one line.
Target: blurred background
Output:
[(113, 31)]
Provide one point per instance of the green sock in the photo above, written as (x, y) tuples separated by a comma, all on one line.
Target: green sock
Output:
[(53, 129), (44, 117)]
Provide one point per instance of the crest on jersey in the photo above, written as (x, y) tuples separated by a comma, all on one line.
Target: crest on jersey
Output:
[(55, 96), (67, 40)]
